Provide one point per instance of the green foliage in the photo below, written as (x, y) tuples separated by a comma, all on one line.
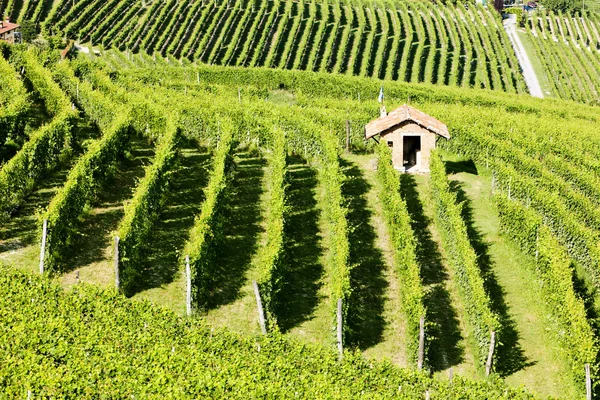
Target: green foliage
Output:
[(404, 247), (83, 183), (142, 212), (39, 155), (554, 268), (87, 342), (270, 255), (28, 31), (206, 232), (41, 79), (462, 259), (14, 102), (566, 6)]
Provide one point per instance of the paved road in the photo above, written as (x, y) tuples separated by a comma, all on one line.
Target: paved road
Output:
[(510, 26)]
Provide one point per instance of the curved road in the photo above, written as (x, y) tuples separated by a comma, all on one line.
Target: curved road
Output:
[(510, 26)]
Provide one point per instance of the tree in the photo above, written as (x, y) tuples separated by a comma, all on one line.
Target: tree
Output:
[(28, 31), (565, 6)]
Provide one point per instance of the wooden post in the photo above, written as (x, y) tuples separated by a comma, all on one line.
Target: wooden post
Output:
[(588, 382), (509, 185), (188, 286), (340, 321), (421, 343), (347, 136), (427, 396), (116, 261), (488, 364), (43, 250), (239, 95), (198, 77), (358, 96), (77, 277), (261, 313)]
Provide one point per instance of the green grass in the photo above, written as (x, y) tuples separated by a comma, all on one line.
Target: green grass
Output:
[(390, 342), (529, 352), (538, 68), (232, 303)]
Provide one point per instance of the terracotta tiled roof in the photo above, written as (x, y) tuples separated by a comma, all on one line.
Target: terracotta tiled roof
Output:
[(7, 27), (403, 114)]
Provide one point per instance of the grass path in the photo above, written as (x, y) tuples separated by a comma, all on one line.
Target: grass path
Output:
[(93, 257), (529, 351), (448, 342), (233, 304), (387, 340), (20, 236), (163, 281), (304, 308)]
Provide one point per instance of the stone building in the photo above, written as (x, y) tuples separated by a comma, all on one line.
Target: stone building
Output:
[(7, 30), (411, 134)]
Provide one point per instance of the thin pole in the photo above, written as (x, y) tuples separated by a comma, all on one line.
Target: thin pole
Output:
[(43, 250), (188, 291), (116, 261), (588, 383), (340, 321), (421, 343), (488, 364), (261, 313)]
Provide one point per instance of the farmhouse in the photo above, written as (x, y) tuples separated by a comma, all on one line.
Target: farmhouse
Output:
[(7, 30), (411, 134)]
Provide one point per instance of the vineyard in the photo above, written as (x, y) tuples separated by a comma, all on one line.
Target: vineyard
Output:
[(412, 42), (239, 174), (568, 49)]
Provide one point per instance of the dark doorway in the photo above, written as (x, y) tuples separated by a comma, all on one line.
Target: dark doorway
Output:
[(410, 146)]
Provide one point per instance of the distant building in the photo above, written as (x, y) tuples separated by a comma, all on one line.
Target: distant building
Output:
[(411, 134), (7, 30)]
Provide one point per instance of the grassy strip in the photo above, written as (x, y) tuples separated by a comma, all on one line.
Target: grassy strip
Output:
[(554, 268), (462, 259), (404, 247), (142, 212), (270, 254), (205, 233)]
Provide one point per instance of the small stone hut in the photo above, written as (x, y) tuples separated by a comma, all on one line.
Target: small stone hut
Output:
[(7, 30), (411, 134)]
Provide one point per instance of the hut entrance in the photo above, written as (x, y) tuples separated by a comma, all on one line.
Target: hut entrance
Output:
[(411, 147)]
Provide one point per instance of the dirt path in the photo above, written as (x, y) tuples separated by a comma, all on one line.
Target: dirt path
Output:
[(510, 26)]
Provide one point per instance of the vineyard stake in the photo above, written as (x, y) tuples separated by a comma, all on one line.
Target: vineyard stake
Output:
[(427, 396), (588, 382), (261, 313), (340, 320), (116, 260), (488, 364), (421, 343), (188, 286), (239, 95), (43, 250), (347, 136)]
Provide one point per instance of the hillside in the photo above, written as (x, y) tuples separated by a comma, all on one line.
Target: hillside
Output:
[(162, 198), (412, 42)]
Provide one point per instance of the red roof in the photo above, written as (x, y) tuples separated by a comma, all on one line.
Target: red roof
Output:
[(403, 114), (6, 27)]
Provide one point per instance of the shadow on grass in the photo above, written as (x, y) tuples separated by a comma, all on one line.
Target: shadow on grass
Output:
[(22, 228), (299, 290), (444, 329), (509, 357), (365, 308), (96, 231), (183, 203), (467, 166), (240, 228)]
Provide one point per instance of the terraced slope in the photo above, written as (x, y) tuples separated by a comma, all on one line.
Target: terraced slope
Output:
[(568, 50), (412, 42)]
